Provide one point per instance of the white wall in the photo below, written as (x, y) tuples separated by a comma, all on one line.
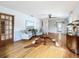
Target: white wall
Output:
[(19, 21), (45, 25), (53, 25)]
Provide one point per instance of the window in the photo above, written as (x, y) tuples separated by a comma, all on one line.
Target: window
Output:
[(29, 23)]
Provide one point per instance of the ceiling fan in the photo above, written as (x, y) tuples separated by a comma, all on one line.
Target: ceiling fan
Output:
[(50, 16)]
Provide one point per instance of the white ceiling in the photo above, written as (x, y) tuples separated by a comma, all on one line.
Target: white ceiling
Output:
[(41, 8)]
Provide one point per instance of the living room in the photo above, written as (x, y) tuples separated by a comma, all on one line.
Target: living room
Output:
[(39, 29)]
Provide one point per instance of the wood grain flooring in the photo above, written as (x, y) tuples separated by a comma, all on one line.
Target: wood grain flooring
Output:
[(49, 50)]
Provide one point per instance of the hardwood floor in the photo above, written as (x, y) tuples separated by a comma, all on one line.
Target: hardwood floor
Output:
[(49, 50)]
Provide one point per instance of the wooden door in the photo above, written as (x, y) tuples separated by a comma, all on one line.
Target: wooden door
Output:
[(6, 29)]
